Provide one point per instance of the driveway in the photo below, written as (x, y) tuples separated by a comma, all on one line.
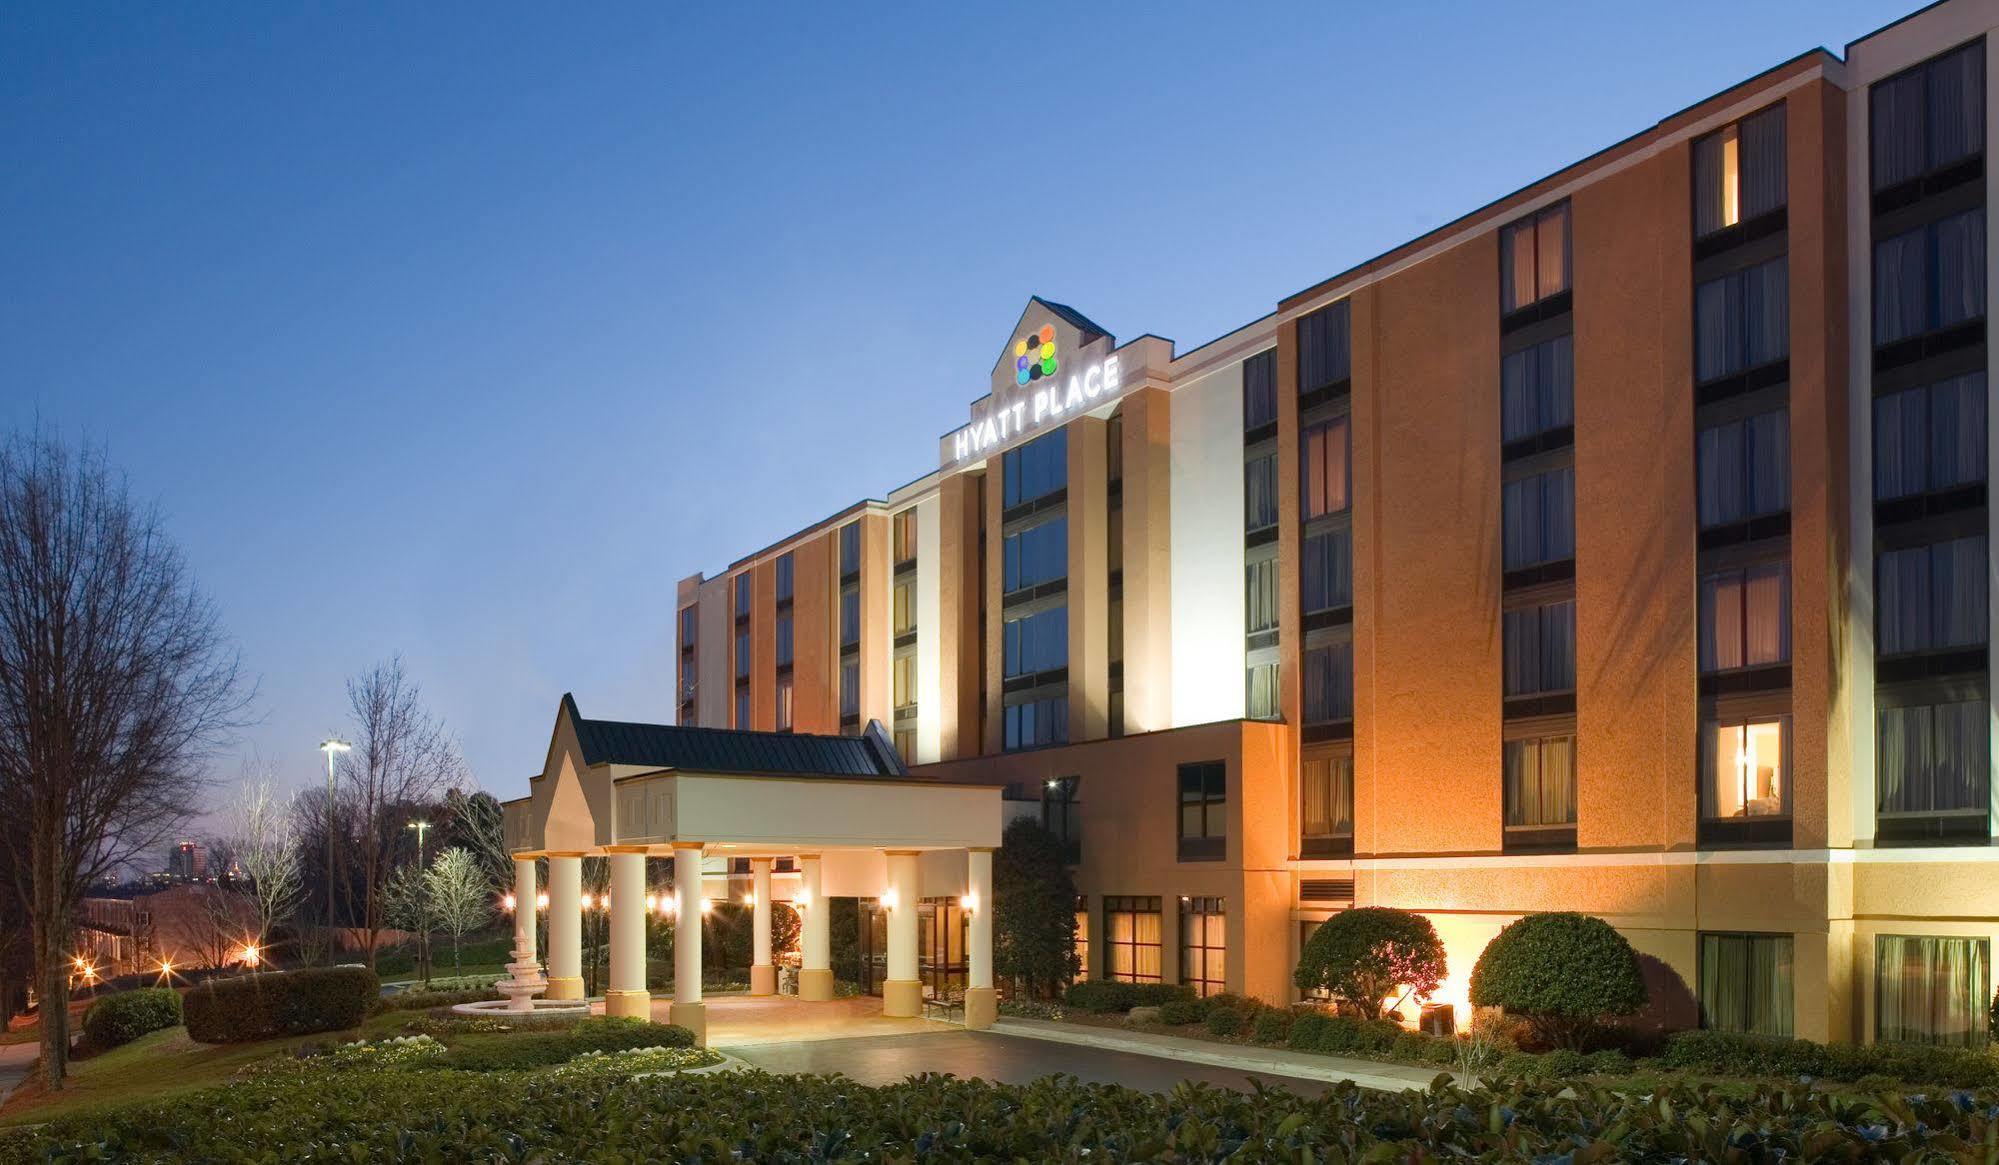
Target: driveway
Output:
[(16, 1061), (990, 1056)]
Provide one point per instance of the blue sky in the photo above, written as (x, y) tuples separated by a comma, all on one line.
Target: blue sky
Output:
[(430, 327)]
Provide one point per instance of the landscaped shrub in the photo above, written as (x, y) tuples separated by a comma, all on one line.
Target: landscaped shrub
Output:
[(1183, 1011), (124, 1017), (540, 1049), (1272, 1026), (1365, 956), (255, 1007), (1225, 1022), (1114, 995), (1712, 1053), (425, 1000), (604, 1113), (1609, 1062), (1342, 1035), (1564, 972)]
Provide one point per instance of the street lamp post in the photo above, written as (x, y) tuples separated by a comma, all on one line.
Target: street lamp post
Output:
[(424, 936), (332, 746)]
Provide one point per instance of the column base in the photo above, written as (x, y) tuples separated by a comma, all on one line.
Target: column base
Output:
[(902, 998), (693, 1017), (632, 1004), (981, 1007), (815, 985), (564, 987), (763, 980)]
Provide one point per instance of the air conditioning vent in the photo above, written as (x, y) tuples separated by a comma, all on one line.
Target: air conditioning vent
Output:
[(1326, 890)]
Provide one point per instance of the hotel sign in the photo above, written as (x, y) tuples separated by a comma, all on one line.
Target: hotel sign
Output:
[(1040, 396)]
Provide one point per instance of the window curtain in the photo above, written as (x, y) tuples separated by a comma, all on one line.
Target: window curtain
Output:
[(1960, 268), (1896, 128), (1328, 683), (1901, 287), (1325, 355), (1541, 782), (1516, 266), (1261, 590), (1742, 320), (1537, 389), (1326, 571), (1262, 694), (1954, 91), (1326, 789), (1743, 468), (1930, 438), (1551, 245), (1709, 184), (1931, 989), (1762, 163), (1259, 390), (1259, 493), (1325, 468), (1539, 518), (1747, 984), (1933, 759)]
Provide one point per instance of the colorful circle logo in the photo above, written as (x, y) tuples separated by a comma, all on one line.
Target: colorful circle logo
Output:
[(1034, 355)]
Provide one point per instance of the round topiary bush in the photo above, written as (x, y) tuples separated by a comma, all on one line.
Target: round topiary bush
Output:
[(1563, 972), (1362, 957), (119, 1019), (1225, 1022)]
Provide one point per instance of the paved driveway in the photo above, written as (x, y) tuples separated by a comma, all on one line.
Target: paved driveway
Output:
[(1009, 1059)]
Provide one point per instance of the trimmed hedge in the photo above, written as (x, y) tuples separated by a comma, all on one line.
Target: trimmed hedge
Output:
[(1224, 1022), (1340, 1035), (1564, 972), (601, 1033), (1362, 957), (1735, 1054), (425, 1000), (1114, 995), (124, 1017), (284, 1003)]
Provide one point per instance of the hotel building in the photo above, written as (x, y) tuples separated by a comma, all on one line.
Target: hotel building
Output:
[(1622, 546)]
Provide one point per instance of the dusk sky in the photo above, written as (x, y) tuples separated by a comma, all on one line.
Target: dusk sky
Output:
[(434, 331)]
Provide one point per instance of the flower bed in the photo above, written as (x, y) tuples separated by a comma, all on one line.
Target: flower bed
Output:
[(595, 1112)]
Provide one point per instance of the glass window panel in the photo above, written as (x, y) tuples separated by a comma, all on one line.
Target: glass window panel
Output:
[(1323, 471), (1932, 989), (1260, 493), (1036, 469), (1746, 983), (1325, 788), (1747, 770), (1540, 782), (1259, 390), (1328, 679), (1326, 571)]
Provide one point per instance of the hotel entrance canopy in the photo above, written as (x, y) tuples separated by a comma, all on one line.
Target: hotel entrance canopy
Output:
[(843, 808)]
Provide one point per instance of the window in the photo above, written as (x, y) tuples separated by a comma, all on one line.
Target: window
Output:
[(1259, 391), (903, 534), (1540, 645), (744, 583), (1058, 811), (1539, 514), (1260, 700), (1034, 724), (688, 624), (1082, 936), (905, 608), (1746, 769), (850, 690), (1540, 788), (904, 674), (1934, 760), (1204, 817), (743, 707), (1036, 469), (1036, 555), (1325, 350), (784, 703), (1930, 438), (1203, 945), (742, 654), (1131, 938), (1537, 389), (784, 578), (1739, 172), (1930, 278), (1742, 321), (1325, 805), (1743, 468), (905, 744), (850, 618), (1745, 618), (784, 639), (1260, 596), (1746, 983), (1534, 259), (1328, 683), (1037, 642), (1928, 598), (850, 548), (1322, 472), (1930, 989), (1929, 116), (1259, 493), (1325, 570)]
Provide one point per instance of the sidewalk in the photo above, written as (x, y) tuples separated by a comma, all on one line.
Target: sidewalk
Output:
[(1264, 1061), (16, 1061)]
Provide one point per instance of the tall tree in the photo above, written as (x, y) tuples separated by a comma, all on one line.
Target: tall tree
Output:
[(116, 685), (1034, 908), (461, 896), (265, 841), (402, 758), (474, 820)]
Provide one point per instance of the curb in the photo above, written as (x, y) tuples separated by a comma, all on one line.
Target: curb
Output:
[(1192, 1052)]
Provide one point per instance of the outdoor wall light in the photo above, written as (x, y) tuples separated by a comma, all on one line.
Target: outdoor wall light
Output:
[(507, 903)]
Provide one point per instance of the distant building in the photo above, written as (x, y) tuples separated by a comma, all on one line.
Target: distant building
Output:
[(188, 862), (193, 927)]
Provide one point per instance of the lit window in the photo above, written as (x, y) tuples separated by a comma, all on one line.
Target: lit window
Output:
[(1748, 771), (1739, 172), (1534, 258)]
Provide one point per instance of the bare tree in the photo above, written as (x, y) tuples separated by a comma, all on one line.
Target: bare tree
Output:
[(461, 896), (265, 841), (115, 687), (476, 822), (401, 759), (406, 906)]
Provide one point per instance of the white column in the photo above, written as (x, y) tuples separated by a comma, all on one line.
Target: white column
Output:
[(902, 995), (565, 926), (687, 1009), (981, 1001), (815, 964), (626, 994), (763, 975)]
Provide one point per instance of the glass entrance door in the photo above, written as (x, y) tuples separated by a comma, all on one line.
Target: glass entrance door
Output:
[(941, 929)]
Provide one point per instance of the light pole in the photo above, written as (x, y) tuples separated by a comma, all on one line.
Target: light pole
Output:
[(420, 826), (332, 746)]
